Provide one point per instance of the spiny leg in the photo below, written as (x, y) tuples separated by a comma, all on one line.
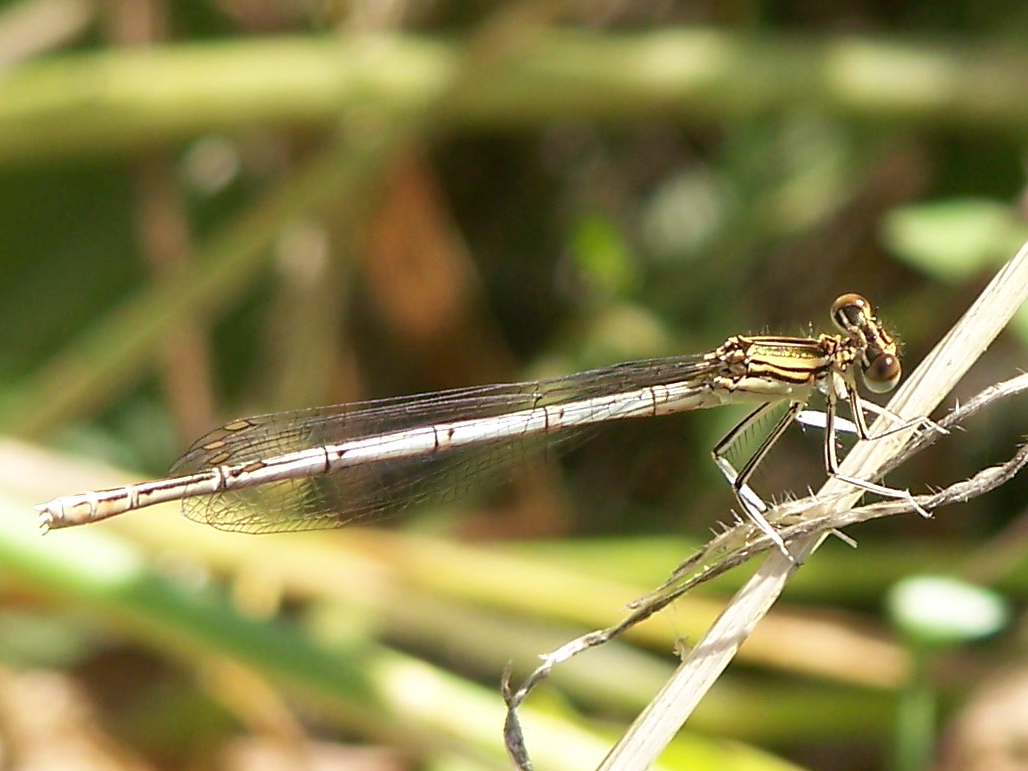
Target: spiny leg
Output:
[(751, 503), (831, 455), (858, 405)]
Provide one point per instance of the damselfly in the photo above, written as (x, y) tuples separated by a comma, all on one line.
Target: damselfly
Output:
[(325, 467)]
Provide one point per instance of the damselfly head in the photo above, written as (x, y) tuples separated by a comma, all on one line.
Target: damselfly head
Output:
[(852, 313), (880, 365), (882, 372)]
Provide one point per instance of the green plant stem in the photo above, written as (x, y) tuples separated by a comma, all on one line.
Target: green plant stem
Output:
[(122, 345), (116, 102), (915, 719)]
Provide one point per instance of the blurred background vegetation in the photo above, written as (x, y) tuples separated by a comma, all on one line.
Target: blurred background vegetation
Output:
[(212, 208)]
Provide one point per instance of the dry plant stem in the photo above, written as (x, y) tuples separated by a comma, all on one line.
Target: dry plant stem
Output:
[(739, 544), (924, 390), (794, 519), (958, 415)]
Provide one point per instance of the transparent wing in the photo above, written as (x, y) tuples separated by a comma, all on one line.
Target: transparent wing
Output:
[(376, 490)]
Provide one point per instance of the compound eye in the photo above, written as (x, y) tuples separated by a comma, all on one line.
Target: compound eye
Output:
[(883, 373), (851, 310)]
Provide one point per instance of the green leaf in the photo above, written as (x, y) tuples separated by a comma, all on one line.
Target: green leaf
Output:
[(936, 610), (954, 239)]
